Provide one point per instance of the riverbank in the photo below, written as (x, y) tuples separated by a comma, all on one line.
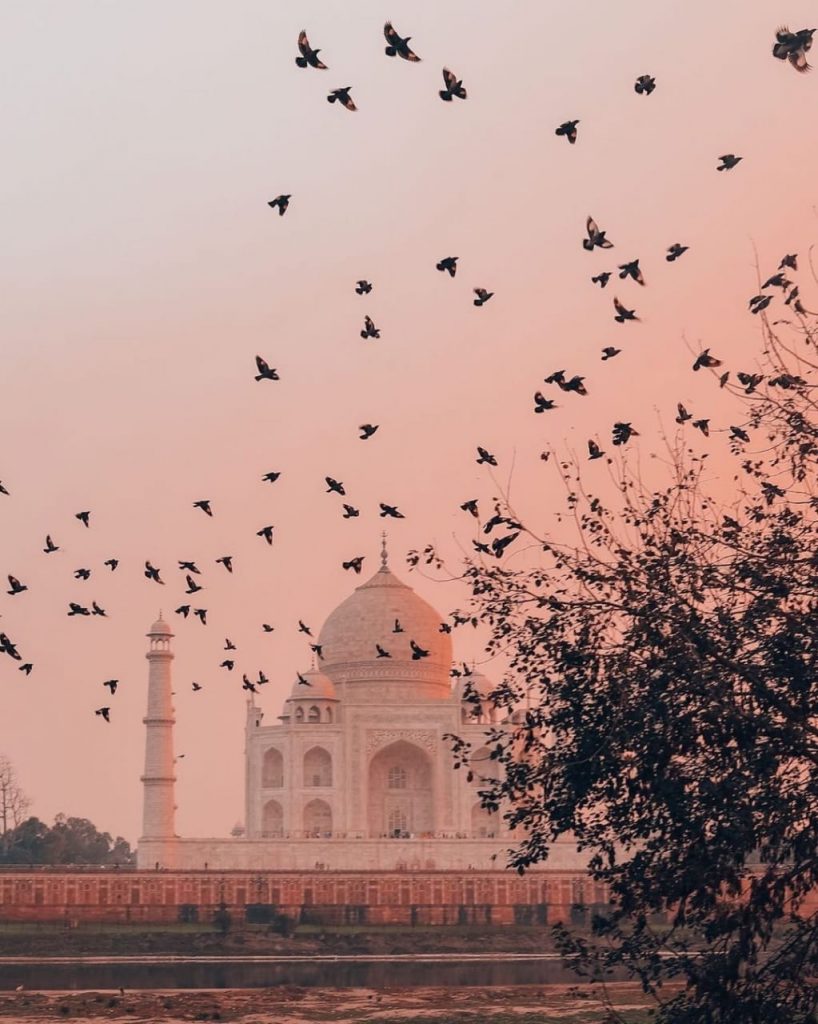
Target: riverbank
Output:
[(554, 1004)]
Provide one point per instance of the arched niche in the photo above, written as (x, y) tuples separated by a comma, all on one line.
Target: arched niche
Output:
[(484, 823), (272, 769), (272, 820), (318, 818), (317, 768), (401, 791)]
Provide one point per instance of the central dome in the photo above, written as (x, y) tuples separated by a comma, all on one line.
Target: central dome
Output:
[(386, 613)]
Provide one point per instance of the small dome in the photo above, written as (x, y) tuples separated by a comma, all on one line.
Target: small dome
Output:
[(476, 682), (160, 627), (320, 687)]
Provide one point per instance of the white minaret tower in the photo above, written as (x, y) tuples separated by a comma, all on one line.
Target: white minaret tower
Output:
[(158, 797)]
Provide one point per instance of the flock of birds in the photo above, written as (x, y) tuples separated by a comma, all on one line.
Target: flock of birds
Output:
[(789, 46)]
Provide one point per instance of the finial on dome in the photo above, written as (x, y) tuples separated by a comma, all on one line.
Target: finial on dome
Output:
[(384, 556)]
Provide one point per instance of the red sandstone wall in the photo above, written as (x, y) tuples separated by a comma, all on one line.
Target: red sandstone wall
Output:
[(402, 897)]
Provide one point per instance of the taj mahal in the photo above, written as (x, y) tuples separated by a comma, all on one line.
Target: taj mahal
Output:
[(356, 774)]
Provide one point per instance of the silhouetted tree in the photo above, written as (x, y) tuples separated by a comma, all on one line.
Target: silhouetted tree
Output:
[(68, 841), (661, 704), (13, 802)]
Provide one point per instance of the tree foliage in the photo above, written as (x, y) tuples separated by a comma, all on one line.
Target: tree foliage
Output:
[(661, 704), (67, 841)]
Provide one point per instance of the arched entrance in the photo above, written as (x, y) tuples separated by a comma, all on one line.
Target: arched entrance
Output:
[(401, 795)]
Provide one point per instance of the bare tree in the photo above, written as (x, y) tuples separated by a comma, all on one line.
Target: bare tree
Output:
[(14, 804)]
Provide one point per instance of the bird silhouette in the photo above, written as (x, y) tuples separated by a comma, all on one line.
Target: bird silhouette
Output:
[(793, 46), (246, 684), (282, 202), (3, 489), (728, 161), (704, 359), (228, 644), (152, 573), (448, 264), (228, 663), (396, 46), (302, 680), (226, 561), (104, 712), (789, 262), (334, 486), (482, 296), (470, 506), (271, 477), (367, 430), (778, 280), (623, 314), (569, 130), (309, 57), (390, 511), (486, 457), (112, 563), (15, 586), (594, 451), (703, 425), (596, 238), (632, 271), (50, 546), (96, 610), (417, 652), (84, 518), (82, 574), (758, 303), (77, 609), (609, 352), (112, 685), (453, 87), (267, 533), (27, 668), (739, 434), (183, 609), (623, 432), (369, 329), (195, 687), (381, 652), (267, 627), (601, 279), (192, 586), (543, 404), (201, 615), (363, 287), (264, 371), (644, 85), (355, 564), (350, 512), (302, 628), (682, 414), (317, 649), (675, 251), (397, 628), (204, 505), (343, 97), (7, 647)]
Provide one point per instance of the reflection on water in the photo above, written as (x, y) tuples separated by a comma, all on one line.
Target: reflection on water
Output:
[(342, 973)]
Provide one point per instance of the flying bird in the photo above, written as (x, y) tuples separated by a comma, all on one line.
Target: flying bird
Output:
[(27, 667), (183, 609), (448, 264), (793, 46), (309, 57), (282, 202), (302, 628), (77, 609), (189, 567), (317, 649), (789, 262), (50, 546), (543, 404), (112, 685), (264, 371), (759, 303), (16, 587), (485, 456), (739, 434), (3, 489), (631, 270), (228, 644), (334, 486), (267, 533), (704, 359), (675, 251), (381, 653), (201, 615), (112, 563), (594, 451), (644, 85), (302, 680), (569, 130), (703, 425), (470, 507), (350, 512), (196, 687), (609, 352), (343, 97), (267, 627), (623, 314), (596, 238), (152, 573), (482, 296), (682, 415), (601, 279), (454, 87), (417, 652), (192, 586), (270, 477), (204, 505), (82, 574), (623, 432), (369, 329), (226, 561), (83, 518), (728, 161), (397, 628), (228, 664), (778, 280), (396, 46), (355, 564), (367, 430), (362, 287), (391, 511), (7, 647), (96, 610), (105, 712), (246, 684)]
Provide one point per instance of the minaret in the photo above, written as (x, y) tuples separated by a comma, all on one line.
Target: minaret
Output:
[(158, 798)]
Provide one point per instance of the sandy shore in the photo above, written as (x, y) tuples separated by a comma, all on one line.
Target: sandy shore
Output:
[(528, 1005)]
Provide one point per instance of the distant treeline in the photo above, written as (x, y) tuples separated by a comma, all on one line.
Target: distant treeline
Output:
[(67, 841)]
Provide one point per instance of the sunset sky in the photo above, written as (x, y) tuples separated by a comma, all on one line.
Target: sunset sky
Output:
[(142, 271)]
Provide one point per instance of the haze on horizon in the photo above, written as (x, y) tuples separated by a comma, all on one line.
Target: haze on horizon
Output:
[(143, 271)]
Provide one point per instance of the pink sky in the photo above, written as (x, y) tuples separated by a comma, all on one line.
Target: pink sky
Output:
[(142, 272)]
